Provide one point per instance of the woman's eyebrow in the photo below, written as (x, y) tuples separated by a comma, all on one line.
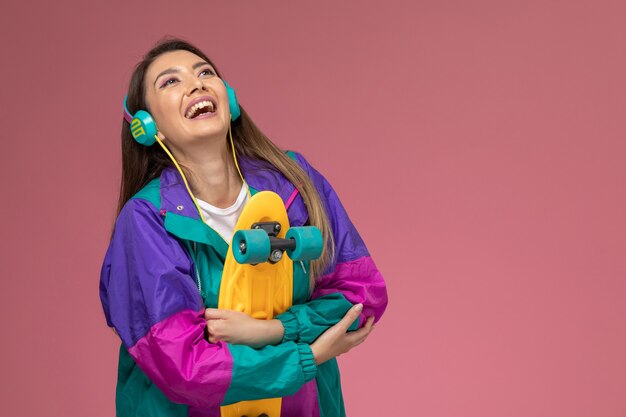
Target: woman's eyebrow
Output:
[(175, 70)]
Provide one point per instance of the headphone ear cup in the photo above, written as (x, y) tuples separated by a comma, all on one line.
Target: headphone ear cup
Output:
[(143, 128), (235, 112)]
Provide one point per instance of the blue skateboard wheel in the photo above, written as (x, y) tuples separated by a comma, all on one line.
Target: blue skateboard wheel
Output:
[(309, 243), (251, 246)]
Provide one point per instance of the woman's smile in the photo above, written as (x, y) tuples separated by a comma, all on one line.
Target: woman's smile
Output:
[(201, 108)]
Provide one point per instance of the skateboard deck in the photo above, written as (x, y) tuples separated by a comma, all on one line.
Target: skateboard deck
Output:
[(262, 286)]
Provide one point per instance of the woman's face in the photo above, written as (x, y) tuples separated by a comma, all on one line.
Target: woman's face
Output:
[(186, 98)]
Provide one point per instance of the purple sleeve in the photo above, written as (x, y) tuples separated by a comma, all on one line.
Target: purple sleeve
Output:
[(351, 278), (149, 296)]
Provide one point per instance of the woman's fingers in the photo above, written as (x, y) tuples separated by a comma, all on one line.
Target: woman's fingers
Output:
[(214, 313), (215, 331), (337, 340), (367, 327), (350, 317), (359, 336)]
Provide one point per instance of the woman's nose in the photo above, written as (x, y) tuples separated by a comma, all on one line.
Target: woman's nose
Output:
[(194, 85)]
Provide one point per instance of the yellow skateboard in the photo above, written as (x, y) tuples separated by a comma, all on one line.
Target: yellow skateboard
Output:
[(258, 278)]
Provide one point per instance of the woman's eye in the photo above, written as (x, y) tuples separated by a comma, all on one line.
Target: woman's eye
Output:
[(167, 82), (208, 71)]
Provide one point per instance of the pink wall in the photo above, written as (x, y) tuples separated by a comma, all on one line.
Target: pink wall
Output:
[(478, 146)]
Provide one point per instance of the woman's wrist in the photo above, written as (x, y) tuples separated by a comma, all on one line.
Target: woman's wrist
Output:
[(265, 333), (276, 331), (317, 354)]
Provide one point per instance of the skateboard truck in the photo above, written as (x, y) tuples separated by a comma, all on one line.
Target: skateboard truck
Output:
[(277, 245), (261, 244)]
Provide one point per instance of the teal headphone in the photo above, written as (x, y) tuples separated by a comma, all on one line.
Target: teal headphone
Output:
[(144, 129)]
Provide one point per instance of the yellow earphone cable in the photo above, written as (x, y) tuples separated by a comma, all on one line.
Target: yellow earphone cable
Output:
[(232, 144), (193, 198)]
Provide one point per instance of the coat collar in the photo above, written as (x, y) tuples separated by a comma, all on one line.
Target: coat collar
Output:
[(174, 195), (181, 216), (259, 175)]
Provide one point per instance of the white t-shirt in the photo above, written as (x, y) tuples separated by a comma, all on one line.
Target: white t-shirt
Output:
[(223, 220)]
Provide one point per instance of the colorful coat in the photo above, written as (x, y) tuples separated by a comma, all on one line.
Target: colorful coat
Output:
[(163, 268)]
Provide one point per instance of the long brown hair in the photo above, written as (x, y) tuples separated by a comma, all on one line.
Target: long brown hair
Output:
[(141, 164)]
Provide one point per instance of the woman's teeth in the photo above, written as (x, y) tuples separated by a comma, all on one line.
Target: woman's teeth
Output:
[(193, 111)]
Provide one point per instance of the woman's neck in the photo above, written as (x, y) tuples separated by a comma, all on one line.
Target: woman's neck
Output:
[(214, 177)]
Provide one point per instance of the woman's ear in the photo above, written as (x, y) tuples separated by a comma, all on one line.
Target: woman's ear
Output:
[(161, 136)]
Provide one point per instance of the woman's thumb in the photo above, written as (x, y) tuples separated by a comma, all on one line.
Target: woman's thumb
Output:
[(352, 314)]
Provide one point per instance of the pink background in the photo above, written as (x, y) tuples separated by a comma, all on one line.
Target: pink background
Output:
[(479, 147)]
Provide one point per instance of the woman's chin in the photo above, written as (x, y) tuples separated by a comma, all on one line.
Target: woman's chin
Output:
[(207, 137), (202, 132)]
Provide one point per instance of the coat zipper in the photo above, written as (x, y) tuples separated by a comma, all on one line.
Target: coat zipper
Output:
[(198, 282)]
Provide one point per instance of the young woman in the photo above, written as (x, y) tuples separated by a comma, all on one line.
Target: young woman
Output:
[(160, 281)]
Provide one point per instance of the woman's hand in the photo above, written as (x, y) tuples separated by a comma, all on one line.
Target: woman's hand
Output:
[(240, 329), (336, 341)]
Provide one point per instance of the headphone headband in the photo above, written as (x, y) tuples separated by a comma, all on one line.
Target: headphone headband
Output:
[(127, 115)]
